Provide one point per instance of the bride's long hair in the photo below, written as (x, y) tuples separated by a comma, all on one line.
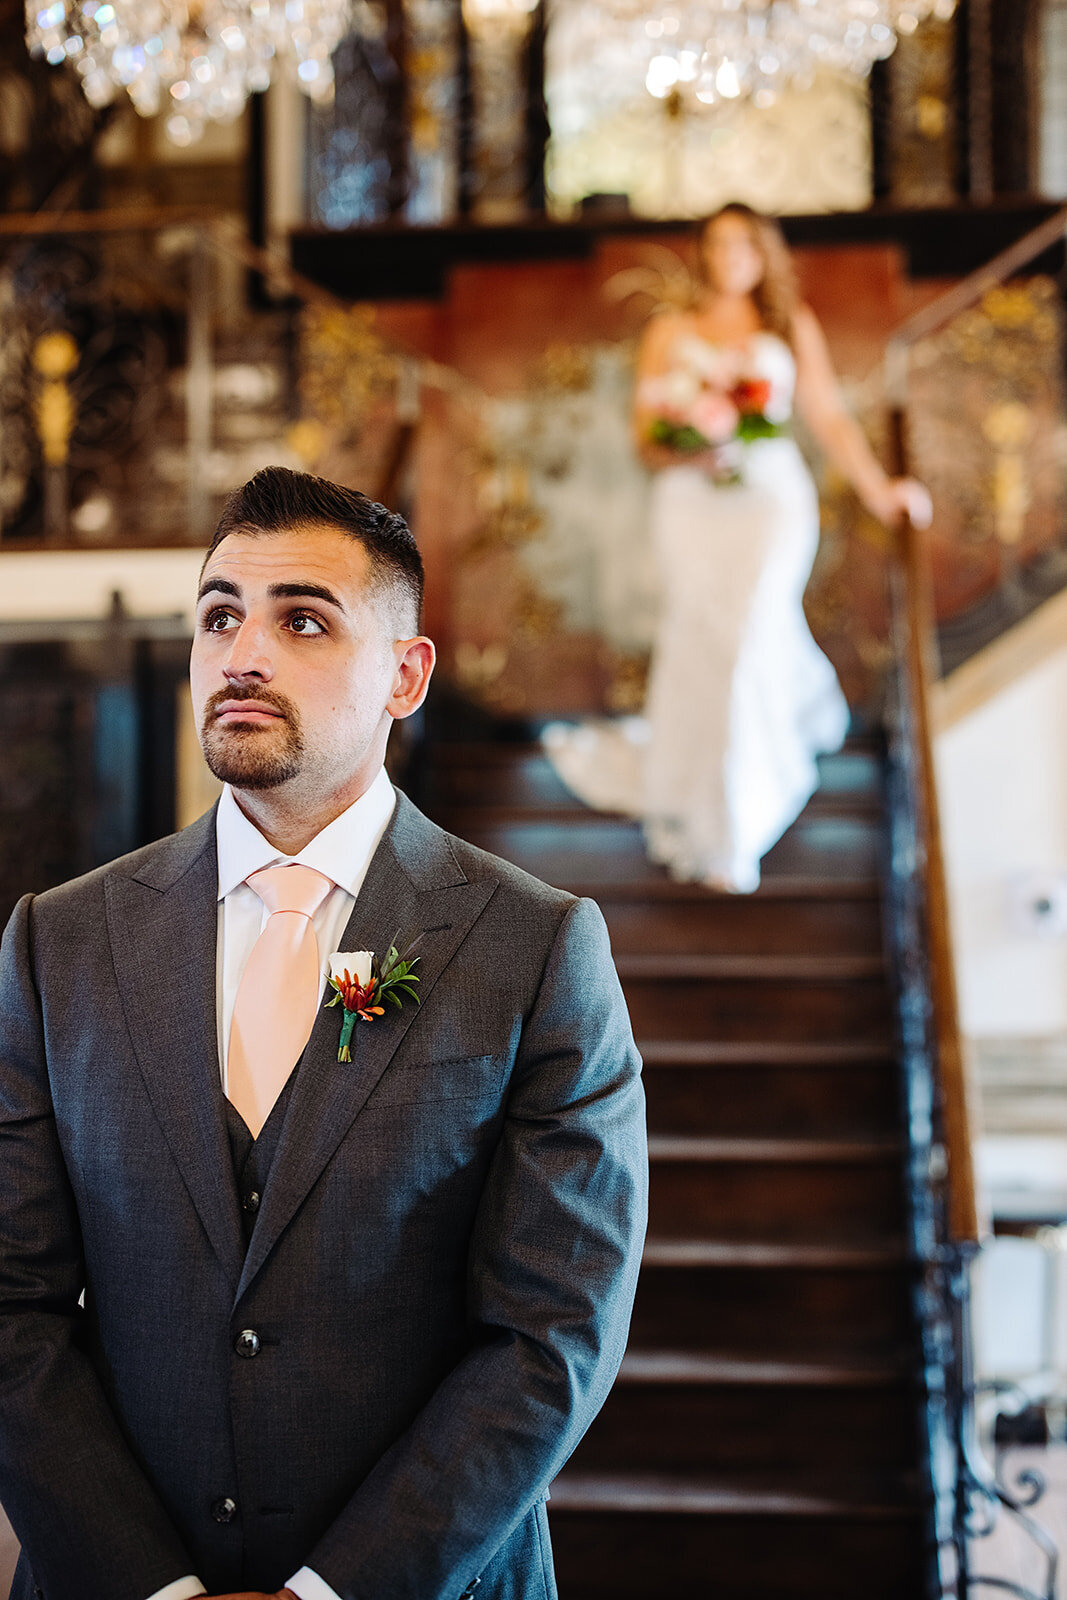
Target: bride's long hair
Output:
[(777, 294)]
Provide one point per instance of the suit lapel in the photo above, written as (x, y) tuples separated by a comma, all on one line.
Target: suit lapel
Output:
[(162, 924), (414, 887)]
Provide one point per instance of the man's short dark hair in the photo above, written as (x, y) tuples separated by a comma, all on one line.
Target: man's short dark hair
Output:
[(278, 500)]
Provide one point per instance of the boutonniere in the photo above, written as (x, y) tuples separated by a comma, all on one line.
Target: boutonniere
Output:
[(360, 980)]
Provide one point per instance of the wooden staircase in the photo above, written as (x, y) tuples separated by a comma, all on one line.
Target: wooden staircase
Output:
[(764, 1437)]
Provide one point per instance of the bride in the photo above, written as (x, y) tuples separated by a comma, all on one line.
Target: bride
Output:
[(741, 700)]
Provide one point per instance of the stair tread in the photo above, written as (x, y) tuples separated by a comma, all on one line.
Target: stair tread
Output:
[(829, 1254), (690, 1147), (774, 1053), (797, 1493), (774, 886), (506, 752), (831, 849), (757, 968), (698, 1368), (458, 814)]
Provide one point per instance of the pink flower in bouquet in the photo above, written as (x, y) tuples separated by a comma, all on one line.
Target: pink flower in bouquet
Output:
[(715, 416), (670, 394)]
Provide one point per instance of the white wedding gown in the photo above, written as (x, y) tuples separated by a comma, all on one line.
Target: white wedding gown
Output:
[(741, 699)]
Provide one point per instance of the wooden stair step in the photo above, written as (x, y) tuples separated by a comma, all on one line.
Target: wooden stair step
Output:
[(699, 1367), (854, 1099), (775, 1301), (748, 1006), (463, 815), (625, 1558), (886, 1495), (684, 1426), (823, 1255), (521, 775), (643, 1537), (656, 888), (607, 850), (760, 924), (785, 1053), (793, 1202), (750, 968), (691, 1149)]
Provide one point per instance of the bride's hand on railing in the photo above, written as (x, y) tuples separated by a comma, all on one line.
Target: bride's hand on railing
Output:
[(902, 497)]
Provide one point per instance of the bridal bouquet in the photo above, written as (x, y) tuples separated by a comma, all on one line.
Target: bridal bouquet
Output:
[(711, 405)]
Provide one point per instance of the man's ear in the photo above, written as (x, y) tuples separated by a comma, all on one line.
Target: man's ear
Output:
[(415, 660)]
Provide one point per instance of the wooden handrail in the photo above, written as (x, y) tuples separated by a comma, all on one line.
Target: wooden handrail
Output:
[(917, 630), (928, 319), (957, 1119)]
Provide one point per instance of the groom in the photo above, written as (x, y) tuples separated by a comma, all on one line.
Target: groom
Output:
[(271, 1322)]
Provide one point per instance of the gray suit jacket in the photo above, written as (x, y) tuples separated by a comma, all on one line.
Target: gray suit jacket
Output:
[(440, 1274)]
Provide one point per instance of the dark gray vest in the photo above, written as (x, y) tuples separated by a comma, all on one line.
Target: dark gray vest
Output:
[(252, 1158)]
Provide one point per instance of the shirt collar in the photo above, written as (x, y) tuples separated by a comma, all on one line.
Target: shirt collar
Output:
[(342, 851)]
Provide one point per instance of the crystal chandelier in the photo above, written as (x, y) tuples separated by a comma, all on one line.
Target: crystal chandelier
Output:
[(713, 52), (194, 60)]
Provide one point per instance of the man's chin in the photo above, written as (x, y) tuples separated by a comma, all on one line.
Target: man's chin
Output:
[(243, 767), (245, 778)]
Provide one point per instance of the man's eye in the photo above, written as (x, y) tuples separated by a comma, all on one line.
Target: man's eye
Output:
[(303, 623), (219, 621)]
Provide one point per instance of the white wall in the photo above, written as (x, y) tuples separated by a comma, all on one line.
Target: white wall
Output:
[(1002, 774), (36, 585)]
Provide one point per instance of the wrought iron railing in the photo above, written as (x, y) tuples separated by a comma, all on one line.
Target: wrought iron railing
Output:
[(140, 382), (1030, 554), (978, 382)]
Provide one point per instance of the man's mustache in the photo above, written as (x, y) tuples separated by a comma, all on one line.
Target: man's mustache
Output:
[(264, 697)]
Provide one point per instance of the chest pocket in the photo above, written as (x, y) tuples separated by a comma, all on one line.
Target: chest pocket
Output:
[(454, 1078)]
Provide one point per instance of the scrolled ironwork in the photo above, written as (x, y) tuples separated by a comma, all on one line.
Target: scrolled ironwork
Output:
[(969, 1497)]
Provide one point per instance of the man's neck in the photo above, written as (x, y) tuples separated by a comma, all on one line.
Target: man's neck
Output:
[(289, 822)]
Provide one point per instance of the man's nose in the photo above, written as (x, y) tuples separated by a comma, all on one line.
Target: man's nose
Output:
[(249, 654)]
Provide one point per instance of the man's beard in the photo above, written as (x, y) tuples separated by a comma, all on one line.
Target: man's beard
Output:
[(240, 755)]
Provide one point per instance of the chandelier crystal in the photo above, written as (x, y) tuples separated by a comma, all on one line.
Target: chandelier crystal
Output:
[(194, 61), (714, 52)]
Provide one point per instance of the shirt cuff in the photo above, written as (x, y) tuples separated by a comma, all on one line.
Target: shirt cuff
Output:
[(309, 1586), (180, 1589)]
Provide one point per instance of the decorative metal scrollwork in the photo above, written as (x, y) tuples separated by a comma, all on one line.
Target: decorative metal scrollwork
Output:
[(76, 427)]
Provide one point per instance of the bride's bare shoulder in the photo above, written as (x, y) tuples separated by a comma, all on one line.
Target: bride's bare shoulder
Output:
[(661, 331)]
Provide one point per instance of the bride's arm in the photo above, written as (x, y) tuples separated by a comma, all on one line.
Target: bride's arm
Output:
[(653, 360), (818, 399)]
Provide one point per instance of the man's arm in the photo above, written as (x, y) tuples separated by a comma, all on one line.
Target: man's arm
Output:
[(91, 1525), (553, 1267)]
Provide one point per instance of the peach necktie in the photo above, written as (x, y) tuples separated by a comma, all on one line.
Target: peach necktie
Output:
[(278, 994)]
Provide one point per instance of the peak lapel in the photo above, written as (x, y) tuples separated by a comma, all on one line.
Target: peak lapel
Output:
[(414, 887), (162, 924)]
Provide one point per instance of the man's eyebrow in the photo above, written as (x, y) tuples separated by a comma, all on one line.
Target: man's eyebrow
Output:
[(301, 591), (277, 591), (217, 586)]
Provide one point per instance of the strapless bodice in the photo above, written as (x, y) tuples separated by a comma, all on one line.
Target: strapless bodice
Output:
[(763, 358)]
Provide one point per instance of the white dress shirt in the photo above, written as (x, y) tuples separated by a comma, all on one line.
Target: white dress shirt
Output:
[(341, 852)]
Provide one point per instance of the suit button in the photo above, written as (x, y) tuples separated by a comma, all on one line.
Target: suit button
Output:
[(224, 1510), (252, 1201), (247, 1343)]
